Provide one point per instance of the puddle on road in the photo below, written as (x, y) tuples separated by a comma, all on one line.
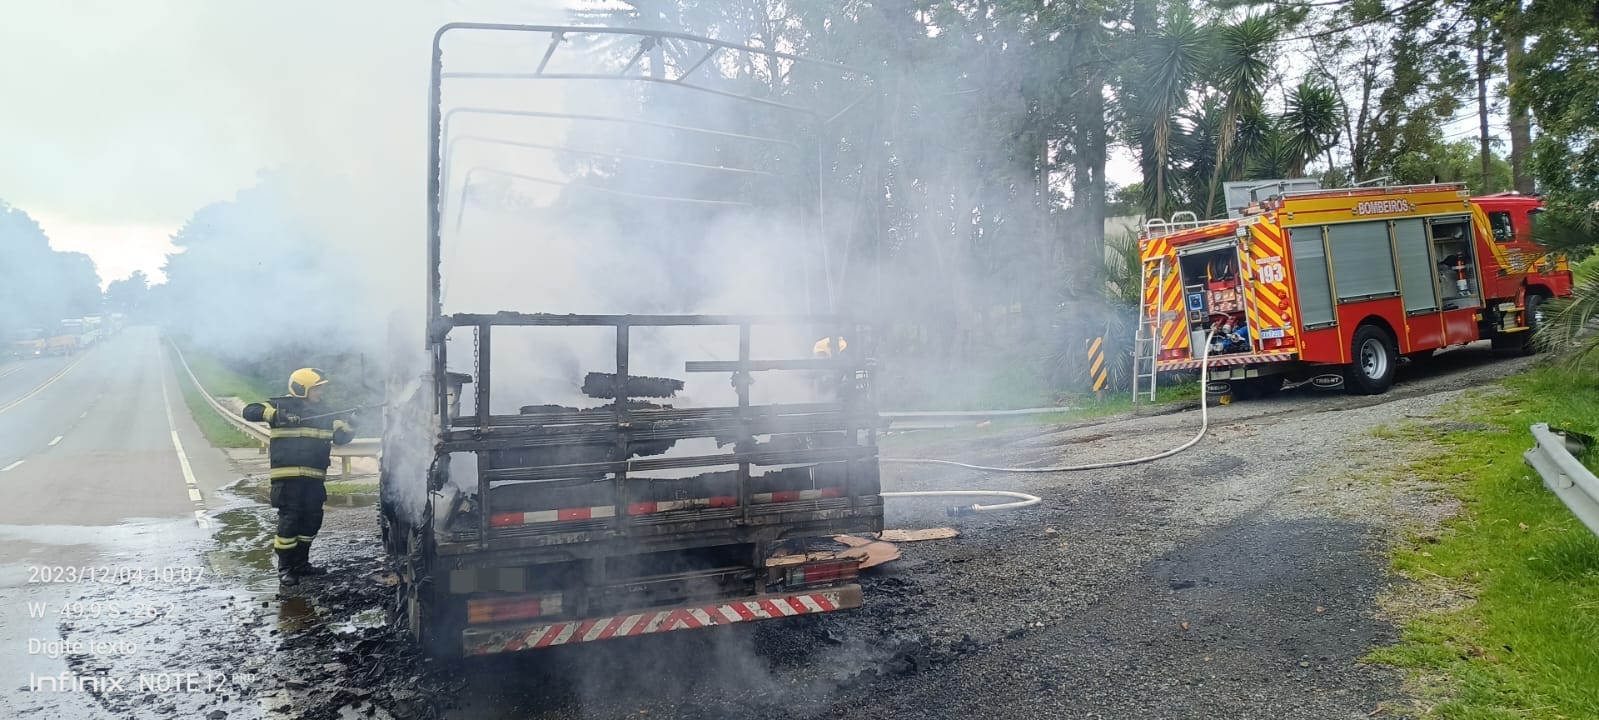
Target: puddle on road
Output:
[(184, 622)]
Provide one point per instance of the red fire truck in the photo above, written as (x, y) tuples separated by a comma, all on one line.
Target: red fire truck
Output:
[(1334, 286)]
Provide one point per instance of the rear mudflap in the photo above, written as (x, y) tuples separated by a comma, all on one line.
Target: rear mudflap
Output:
[(538, 634)]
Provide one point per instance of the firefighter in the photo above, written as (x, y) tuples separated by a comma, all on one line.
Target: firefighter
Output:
[(824, 383), (300, 452)]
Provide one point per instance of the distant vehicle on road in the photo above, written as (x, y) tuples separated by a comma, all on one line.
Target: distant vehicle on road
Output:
[(29, 343)]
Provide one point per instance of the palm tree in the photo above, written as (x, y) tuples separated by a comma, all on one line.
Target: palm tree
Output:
[(1239, 71), (1567, 324), (1154, 91), (1310, 123)]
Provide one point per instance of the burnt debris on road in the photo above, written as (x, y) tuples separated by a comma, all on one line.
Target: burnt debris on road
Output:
[(1221, 583)]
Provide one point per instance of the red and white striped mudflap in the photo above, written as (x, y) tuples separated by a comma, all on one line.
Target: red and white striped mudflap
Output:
[(536, 635)]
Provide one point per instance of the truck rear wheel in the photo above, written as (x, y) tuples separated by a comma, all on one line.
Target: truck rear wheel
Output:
[(1375, 359), (1524, 342), (1535, 312)]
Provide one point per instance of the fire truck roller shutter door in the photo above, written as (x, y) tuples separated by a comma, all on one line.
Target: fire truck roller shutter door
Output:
[(1415, 265), (1311, 281), (1362, 260)]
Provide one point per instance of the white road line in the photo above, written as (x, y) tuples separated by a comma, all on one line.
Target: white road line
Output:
[(12, 466), (43, 385), (183, 458), (58, 439), (84, 415)]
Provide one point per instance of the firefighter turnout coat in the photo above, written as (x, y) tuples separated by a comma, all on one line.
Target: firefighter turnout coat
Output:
[(301, 445)]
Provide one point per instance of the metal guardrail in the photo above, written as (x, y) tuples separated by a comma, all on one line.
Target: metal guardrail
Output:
[(1555, 459), (359, 447)]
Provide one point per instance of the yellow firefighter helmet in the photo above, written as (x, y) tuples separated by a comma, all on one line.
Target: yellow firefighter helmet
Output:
[(824, 347), (301, 381)]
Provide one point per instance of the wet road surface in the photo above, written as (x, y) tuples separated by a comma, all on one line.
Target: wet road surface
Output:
[(1236, 580), (95, 489)]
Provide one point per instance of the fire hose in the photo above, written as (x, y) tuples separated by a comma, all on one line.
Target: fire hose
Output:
[(1025, 499)]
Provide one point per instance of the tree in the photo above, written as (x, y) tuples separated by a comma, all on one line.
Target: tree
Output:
[(1310, 125), (40, 287), (1515, 41), (1239, 75), (1399, 70), (1458, 161), (1125, 200), (128, 294), (1561, 89), (1154, 89), (252, 277)]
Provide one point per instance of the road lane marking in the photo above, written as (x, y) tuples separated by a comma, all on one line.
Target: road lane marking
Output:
[(12, 369), (43, 385), (12, 466), (84, 415), (58, 439), (183, 458)]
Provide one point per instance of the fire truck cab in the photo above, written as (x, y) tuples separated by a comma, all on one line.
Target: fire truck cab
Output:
[(1334, 286)]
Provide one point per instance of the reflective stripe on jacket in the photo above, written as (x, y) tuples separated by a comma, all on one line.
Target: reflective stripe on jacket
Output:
[(299, 448)]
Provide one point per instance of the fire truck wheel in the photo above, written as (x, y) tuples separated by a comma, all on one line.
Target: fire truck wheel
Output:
[(1375, 358), (1535, 313)]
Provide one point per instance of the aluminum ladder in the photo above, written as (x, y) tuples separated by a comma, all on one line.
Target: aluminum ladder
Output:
[(1146, 340)]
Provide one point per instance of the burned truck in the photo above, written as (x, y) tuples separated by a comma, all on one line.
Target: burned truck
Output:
[(617, 509)]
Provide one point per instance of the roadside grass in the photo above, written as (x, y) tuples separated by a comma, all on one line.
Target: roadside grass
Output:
[(1503, 612), (218, 379), (351, 488), (216, 430), (1589, 267), (1079, 408), (1005, 386)]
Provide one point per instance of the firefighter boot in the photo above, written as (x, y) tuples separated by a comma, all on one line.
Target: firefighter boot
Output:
[(302, 565), (286, 565)]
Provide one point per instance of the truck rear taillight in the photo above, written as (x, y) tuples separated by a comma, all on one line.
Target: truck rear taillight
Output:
[(823, 573), (519, 607)]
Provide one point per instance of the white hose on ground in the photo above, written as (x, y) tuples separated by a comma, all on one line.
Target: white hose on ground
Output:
[(1204, 426), (1022, 499)]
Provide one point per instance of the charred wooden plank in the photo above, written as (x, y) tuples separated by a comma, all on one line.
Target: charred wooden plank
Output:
[(601, 413), (603, 386)]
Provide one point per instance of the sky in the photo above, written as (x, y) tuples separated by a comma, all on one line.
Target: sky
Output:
[(132, 115)]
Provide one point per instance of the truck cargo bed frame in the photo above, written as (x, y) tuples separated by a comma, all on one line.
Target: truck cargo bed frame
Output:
[(571, 543), (852, 420)]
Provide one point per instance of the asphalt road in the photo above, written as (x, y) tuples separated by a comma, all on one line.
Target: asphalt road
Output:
[(1237, 580), (91, 468)]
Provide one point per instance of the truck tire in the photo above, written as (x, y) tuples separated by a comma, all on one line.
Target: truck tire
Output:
[(1524, 343), (1375, 359), (1529, 341)]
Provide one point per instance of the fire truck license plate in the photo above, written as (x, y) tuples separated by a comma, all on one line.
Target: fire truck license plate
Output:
[(1271, 333)]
